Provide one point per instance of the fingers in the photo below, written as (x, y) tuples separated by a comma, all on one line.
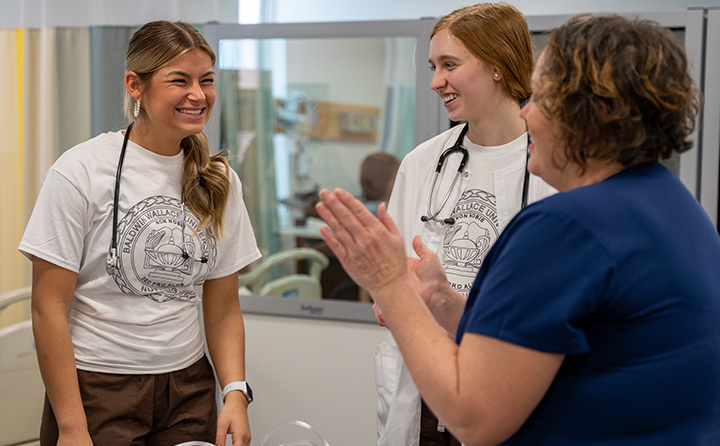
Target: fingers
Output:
[(357, 209), (331, 210), (347, 218), (354, 216), (333, 243), (221, 435), (386, 219)]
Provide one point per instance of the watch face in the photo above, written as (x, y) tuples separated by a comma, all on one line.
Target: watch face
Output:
[(249, 392)]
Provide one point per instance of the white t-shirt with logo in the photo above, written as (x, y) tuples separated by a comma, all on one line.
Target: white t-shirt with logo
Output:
[(142, 317)]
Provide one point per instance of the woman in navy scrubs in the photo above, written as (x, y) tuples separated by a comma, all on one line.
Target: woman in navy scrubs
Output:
[(593, 320)]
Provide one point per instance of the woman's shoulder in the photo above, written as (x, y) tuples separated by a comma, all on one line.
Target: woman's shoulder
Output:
[(435, 145), (90, 151)]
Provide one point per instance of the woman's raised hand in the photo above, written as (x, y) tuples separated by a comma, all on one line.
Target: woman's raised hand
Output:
[(370, 249)]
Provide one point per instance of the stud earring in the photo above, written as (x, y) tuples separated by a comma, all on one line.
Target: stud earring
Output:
[(136, 109), (497, 75)]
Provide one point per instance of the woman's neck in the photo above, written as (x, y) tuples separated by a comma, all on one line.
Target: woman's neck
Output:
[(154, 140), (500, 124)]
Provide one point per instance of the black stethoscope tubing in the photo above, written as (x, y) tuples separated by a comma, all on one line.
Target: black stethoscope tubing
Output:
[(112, 254), (458, 147)]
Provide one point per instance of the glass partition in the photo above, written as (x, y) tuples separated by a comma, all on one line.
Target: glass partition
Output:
[(300, 115), (301, 108)]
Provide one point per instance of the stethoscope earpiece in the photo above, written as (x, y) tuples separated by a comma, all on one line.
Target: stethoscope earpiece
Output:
[(447, 221), (186, 256)]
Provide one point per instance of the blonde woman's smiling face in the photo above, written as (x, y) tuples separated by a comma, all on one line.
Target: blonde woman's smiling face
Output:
[(180, 96)]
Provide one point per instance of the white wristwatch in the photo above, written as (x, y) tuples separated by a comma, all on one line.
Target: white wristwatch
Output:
[(242, 386)]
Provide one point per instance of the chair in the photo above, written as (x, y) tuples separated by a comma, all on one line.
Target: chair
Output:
[(22, 393), (306, 286)]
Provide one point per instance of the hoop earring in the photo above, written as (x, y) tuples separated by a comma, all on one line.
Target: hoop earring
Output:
[(136, 109)]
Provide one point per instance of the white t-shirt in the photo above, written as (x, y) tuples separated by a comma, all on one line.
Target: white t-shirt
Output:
[(141, 318)]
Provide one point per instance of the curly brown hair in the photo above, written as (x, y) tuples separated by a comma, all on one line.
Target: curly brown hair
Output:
[(619, 88), (497, 34)]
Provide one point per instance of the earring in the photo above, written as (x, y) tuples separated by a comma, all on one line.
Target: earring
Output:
[(497, 75), (136, 109)]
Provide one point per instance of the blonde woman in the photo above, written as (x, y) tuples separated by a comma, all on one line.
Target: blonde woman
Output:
[(129, 230)]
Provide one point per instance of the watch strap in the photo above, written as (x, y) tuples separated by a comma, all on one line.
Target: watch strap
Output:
[(242, 386)]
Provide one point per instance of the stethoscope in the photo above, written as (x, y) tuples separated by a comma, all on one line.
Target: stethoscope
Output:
[(458, 147), (112, 258)]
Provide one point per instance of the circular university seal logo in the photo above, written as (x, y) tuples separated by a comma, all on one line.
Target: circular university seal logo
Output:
[(150, 251), (467, 241)]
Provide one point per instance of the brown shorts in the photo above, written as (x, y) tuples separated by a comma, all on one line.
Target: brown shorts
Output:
[(144, 410)]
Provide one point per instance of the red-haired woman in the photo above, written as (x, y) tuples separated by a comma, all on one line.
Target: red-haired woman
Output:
[(482, 60)]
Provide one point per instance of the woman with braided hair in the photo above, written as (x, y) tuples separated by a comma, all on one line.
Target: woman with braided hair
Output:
[(130, 229)]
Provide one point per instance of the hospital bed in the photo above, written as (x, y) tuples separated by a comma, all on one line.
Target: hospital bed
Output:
[(306, 286), (21, 389)]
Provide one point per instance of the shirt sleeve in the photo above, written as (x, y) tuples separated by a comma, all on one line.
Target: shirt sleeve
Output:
[(400, 206), (239, 247), (542, 280), (397, 198), (58, 224)]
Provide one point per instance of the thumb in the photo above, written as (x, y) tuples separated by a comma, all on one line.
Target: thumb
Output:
[(421, 248)]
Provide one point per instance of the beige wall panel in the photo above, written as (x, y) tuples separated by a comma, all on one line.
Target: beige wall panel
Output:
[(11, 212)]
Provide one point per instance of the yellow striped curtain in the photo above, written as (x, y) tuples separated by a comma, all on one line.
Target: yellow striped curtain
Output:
[(46, 110)]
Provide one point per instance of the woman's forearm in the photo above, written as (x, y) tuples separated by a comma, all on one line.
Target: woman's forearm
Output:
[(226, 344), (224, 328), (448, 310), (53, 290), (225, 333), (57, 367)]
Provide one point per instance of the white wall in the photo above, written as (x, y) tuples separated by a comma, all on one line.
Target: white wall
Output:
[(344, 10), (39, 13), (316, 371), (81, 13)]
